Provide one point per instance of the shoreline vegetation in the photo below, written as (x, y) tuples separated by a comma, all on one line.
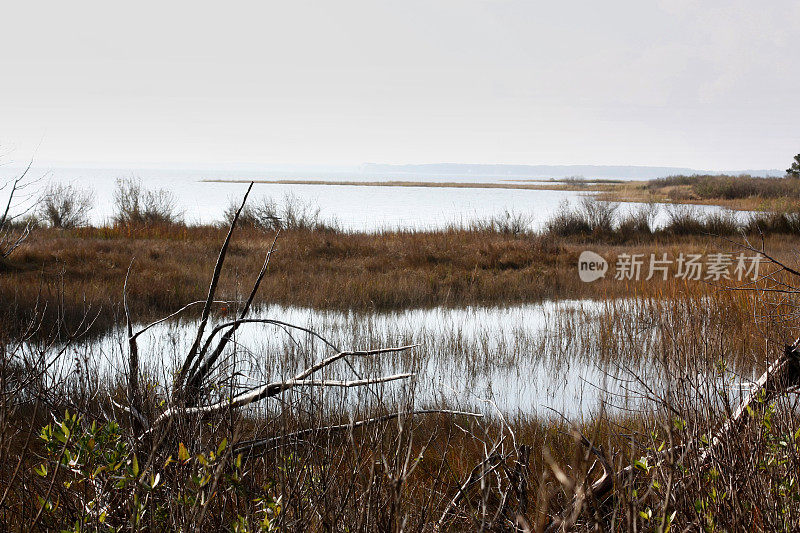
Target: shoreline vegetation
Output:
[(157, 446), (499, 261), (496, 262), (744, 193)]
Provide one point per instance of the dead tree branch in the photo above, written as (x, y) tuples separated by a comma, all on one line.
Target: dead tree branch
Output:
[(781, 376)]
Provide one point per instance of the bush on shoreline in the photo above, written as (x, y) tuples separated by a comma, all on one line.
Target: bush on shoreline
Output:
[(136, 206), (599, 221), (726, 187), (66, 206), (270, 215)]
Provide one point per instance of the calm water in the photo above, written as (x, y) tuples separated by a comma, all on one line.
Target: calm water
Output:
[(352, 208), (523, 359)]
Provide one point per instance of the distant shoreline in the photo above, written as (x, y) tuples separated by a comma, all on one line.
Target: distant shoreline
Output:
[(540, 186), (647, 191)]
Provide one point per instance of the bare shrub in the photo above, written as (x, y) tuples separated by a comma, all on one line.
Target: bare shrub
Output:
[(684, 220), (295, 213), (599, 215), (567, 222), (292, 214), (247, 217), (269, 215), (136, 206), (591, 217), (639, 222), (575, 181), (65, 206), (508, 222)]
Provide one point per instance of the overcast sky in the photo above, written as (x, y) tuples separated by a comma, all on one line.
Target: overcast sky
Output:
[(706, 84)]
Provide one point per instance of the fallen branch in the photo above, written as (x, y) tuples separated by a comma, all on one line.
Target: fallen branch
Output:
[(273, 389), (492, 461), (203, 365), (782, 375)]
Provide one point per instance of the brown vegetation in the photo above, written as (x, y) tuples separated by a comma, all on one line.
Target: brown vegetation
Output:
[(734, 192), (413, 473), (148, 448), (85, 268)]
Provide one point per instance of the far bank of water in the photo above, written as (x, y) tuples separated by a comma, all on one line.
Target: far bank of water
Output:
[(348, 207)]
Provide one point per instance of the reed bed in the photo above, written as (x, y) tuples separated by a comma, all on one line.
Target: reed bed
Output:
[(106, 432), (81, 269), (668, 367)]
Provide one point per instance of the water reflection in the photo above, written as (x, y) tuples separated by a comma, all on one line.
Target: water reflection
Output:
[(519, 359)]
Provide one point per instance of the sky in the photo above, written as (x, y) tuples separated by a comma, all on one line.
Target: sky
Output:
[(706, 84)]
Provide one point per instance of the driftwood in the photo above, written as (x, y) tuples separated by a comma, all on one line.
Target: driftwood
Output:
[(781, 376)]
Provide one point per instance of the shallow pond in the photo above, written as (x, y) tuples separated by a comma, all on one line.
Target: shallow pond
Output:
[(533, 359)]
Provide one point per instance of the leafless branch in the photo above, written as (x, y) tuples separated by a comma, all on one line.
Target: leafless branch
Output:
[(212, 289), (203, 364), (273, 389)]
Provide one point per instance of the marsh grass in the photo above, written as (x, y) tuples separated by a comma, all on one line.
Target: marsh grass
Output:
[(599, 221), (675, 353), (84, 269), (506, 223), (671, 361), (731, 187)]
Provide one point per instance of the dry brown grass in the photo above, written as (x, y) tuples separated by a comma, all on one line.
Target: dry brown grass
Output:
[(733, 192), (73, 270), (359, 481)]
